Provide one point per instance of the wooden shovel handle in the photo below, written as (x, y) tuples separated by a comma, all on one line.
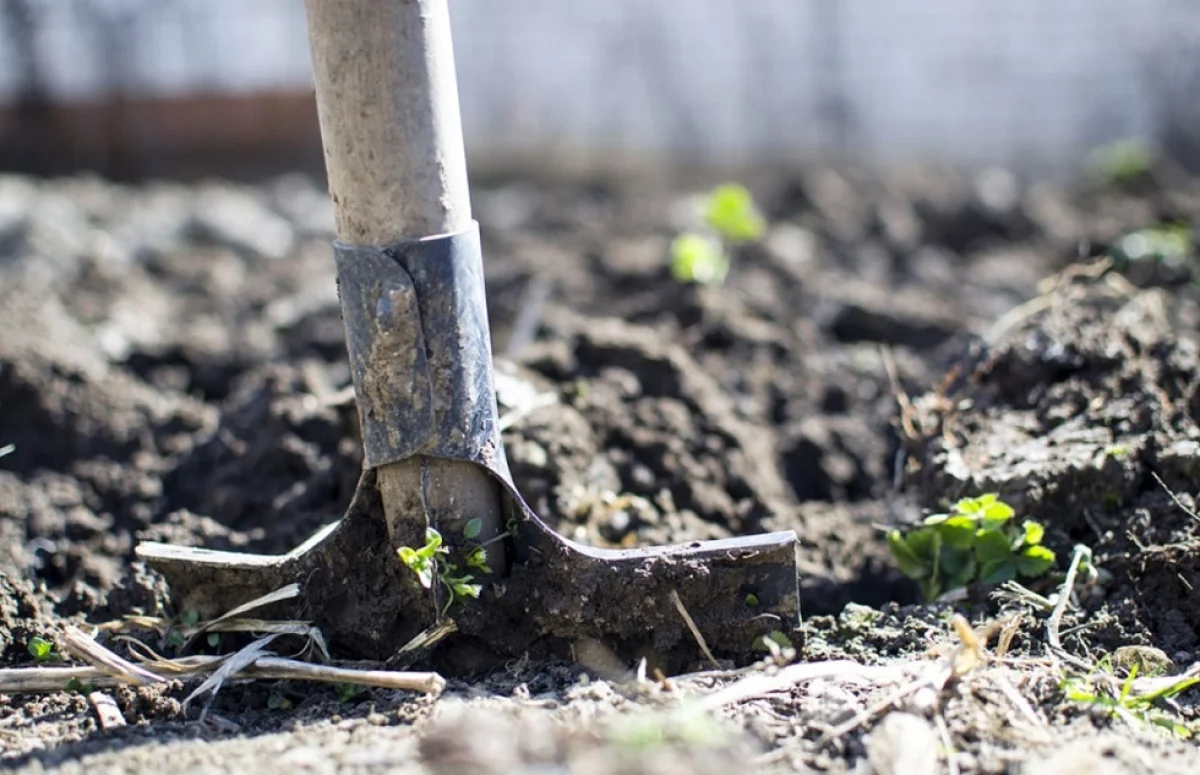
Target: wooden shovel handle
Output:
[(387, 97)]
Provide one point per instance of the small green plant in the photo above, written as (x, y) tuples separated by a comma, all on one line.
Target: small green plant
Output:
[(1126, 702), (1123, 161), (729, 217), (975, 541), (432, 561), (187, 620), (1169, 244), (347, 692), (42, 650), (79, 687), (278, 701)]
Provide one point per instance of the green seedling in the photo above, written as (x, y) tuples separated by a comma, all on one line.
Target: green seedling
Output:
[(774, 637), (42, 650), (1122, 162), (277, 701), (347, 692), (729, 217), (729, 210), (1169, 244), (1129, 704), (432, 561), (699, 258), (975, 541), (187, 620), (79, 687)]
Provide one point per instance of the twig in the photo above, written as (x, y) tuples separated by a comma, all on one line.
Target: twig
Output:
[(279, 595), (947, 743), (38, 680), (529, 319), (81, 646), (935, 680), (691, 624), (1054, 623), (1007, 633), (277, 668), (1190, 512), (761, 684), (513, 416), (229, 666), (1020, 703), (907, 411)]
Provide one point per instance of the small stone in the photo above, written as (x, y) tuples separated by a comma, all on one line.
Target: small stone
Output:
[(903, 744)]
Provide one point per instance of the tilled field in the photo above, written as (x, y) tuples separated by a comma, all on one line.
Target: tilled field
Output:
[(172, 368)]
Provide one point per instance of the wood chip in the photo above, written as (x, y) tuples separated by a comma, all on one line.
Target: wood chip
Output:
[(107, 712)]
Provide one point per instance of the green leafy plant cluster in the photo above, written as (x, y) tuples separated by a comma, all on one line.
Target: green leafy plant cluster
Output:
[(729, 217), (432, 562), (976, 541), (1129, 704)]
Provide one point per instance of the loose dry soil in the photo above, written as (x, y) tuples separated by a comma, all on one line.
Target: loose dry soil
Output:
[(172, 368)]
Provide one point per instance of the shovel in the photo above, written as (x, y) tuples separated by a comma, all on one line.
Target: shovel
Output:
[(437, 538)]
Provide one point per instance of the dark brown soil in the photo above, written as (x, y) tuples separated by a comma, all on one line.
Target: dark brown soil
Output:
[(172, 368)]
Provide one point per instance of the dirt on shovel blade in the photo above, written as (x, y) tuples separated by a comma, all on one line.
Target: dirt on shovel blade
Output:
[(172, 368)]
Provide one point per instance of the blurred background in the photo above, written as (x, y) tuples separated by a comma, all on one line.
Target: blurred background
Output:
[(180, 88)]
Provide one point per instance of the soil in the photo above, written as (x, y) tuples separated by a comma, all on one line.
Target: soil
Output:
[(172, 368)]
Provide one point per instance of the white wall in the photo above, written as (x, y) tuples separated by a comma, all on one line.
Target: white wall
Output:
[(1035, 83)]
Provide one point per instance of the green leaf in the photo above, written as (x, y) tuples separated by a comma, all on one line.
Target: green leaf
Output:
[(960, 578), (997, 571), (924, 543), (1033, 533), (698, 258), (730, 211), (478, 559), (954, 561), (973, 507), (958, 531), (997, 511), (433, 544), (1035, 561), (992, 545), (189, 618), (473, 528), (214, 639), (935, 519), (906, 559), (40, 648), (425, 574), (464, 589), (409, 556)]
